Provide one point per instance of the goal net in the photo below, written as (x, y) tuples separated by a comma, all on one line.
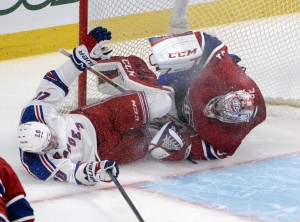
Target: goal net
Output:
[(264, 33)]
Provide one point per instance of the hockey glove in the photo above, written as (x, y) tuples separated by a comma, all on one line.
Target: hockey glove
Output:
[(86, 55), (91, 173), (171, 143)]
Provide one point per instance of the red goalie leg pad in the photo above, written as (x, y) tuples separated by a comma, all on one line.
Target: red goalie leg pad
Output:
[(128, 111), (119, 113), (132, 146)]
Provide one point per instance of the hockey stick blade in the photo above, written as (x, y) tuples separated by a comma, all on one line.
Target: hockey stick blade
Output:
[(126, 197)]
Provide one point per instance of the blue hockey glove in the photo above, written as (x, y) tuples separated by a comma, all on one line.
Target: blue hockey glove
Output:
[(86, 55)]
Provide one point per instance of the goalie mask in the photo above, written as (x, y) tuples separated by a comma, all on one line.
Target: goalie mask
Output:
[(36, 137), (234, 107)]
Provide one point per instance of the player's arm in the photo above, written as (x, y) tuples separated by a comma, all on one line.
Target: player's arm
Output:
[(13, 195), (55, 83), (203, 150), (49, 167)]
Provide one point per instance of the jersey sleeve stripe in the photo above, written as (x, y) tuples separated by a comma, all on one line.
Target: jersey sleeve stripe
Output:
[(208, 151), (47, 163), (25, 165), (16, 198), (2, 189), (33, 113), (199, 36), (54, 78), (3, 218), (19, 210), (37, 165), (39, 113)]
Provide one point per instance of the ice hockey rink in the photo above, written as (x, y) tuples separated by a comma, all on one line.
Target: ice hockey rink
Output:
[(260, 183)]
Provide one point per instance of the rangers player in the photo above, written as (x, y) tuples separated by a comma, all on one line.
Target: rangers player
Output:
[(213, 96), (13, 204), (82, 146)]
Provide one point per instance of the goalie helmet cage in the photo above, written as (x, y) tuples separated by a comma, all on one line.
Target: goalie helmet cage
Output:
[(264, 33)]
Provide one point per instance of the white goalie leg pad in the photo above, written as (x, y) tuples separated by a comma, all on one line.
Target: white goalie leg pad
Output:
[(129, 73), (159, 104), (173, 110), (104, 87)]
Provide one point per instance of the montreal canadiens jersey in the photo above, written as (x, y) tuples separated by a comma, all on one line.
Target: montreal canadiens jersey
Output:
[(13, 205), (76, 134), (221, 138), (181, 81), (215, 73)]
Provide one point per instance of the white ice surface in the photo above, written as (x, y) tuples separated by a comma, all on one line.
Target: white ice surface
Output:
[(54, 201)]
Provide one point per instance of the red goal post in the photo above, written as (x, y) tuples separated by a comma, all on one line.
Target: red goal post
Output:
[(264, 33)]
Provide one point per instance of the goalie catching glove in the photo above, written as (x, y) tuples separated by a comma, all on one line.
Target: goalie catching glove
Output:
[(91, 173), (86, 55), (170, 143)]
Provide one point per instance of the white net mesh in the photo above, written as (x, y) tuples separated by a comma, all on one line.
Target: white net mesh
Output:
[(264, 33)]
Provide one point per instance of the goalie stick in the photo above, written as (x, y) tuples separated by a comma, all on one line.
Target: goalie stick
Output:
[(108, 80)]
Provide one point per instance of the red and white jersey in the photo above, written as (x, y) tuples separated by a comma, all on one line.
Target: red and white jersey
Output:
[(219, 76), (13, 205), (213, 74), (76, 134)]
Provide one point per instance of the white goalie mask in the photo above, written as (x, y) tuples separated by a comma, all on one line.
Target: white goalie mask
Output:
[(36, 137), (234, 107)]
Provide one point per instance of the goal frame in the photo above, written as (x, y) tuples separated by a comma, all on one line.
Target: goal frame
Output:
[(177, 18), (83, 31), (178, 24)]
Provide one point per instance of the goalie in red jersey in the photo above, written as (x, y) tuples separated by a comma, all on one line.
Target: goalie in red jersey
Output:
[(213, 96)]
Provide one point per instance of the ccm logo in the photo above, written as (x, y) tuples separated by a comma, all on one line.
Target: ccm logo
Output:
[(127, 66), (182, 54), (135, 110)]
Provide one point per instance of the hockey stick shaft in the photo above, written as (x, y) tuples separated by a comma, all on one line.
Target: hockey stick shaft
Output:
[(119, 87), (97, 73), (126, 197)]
